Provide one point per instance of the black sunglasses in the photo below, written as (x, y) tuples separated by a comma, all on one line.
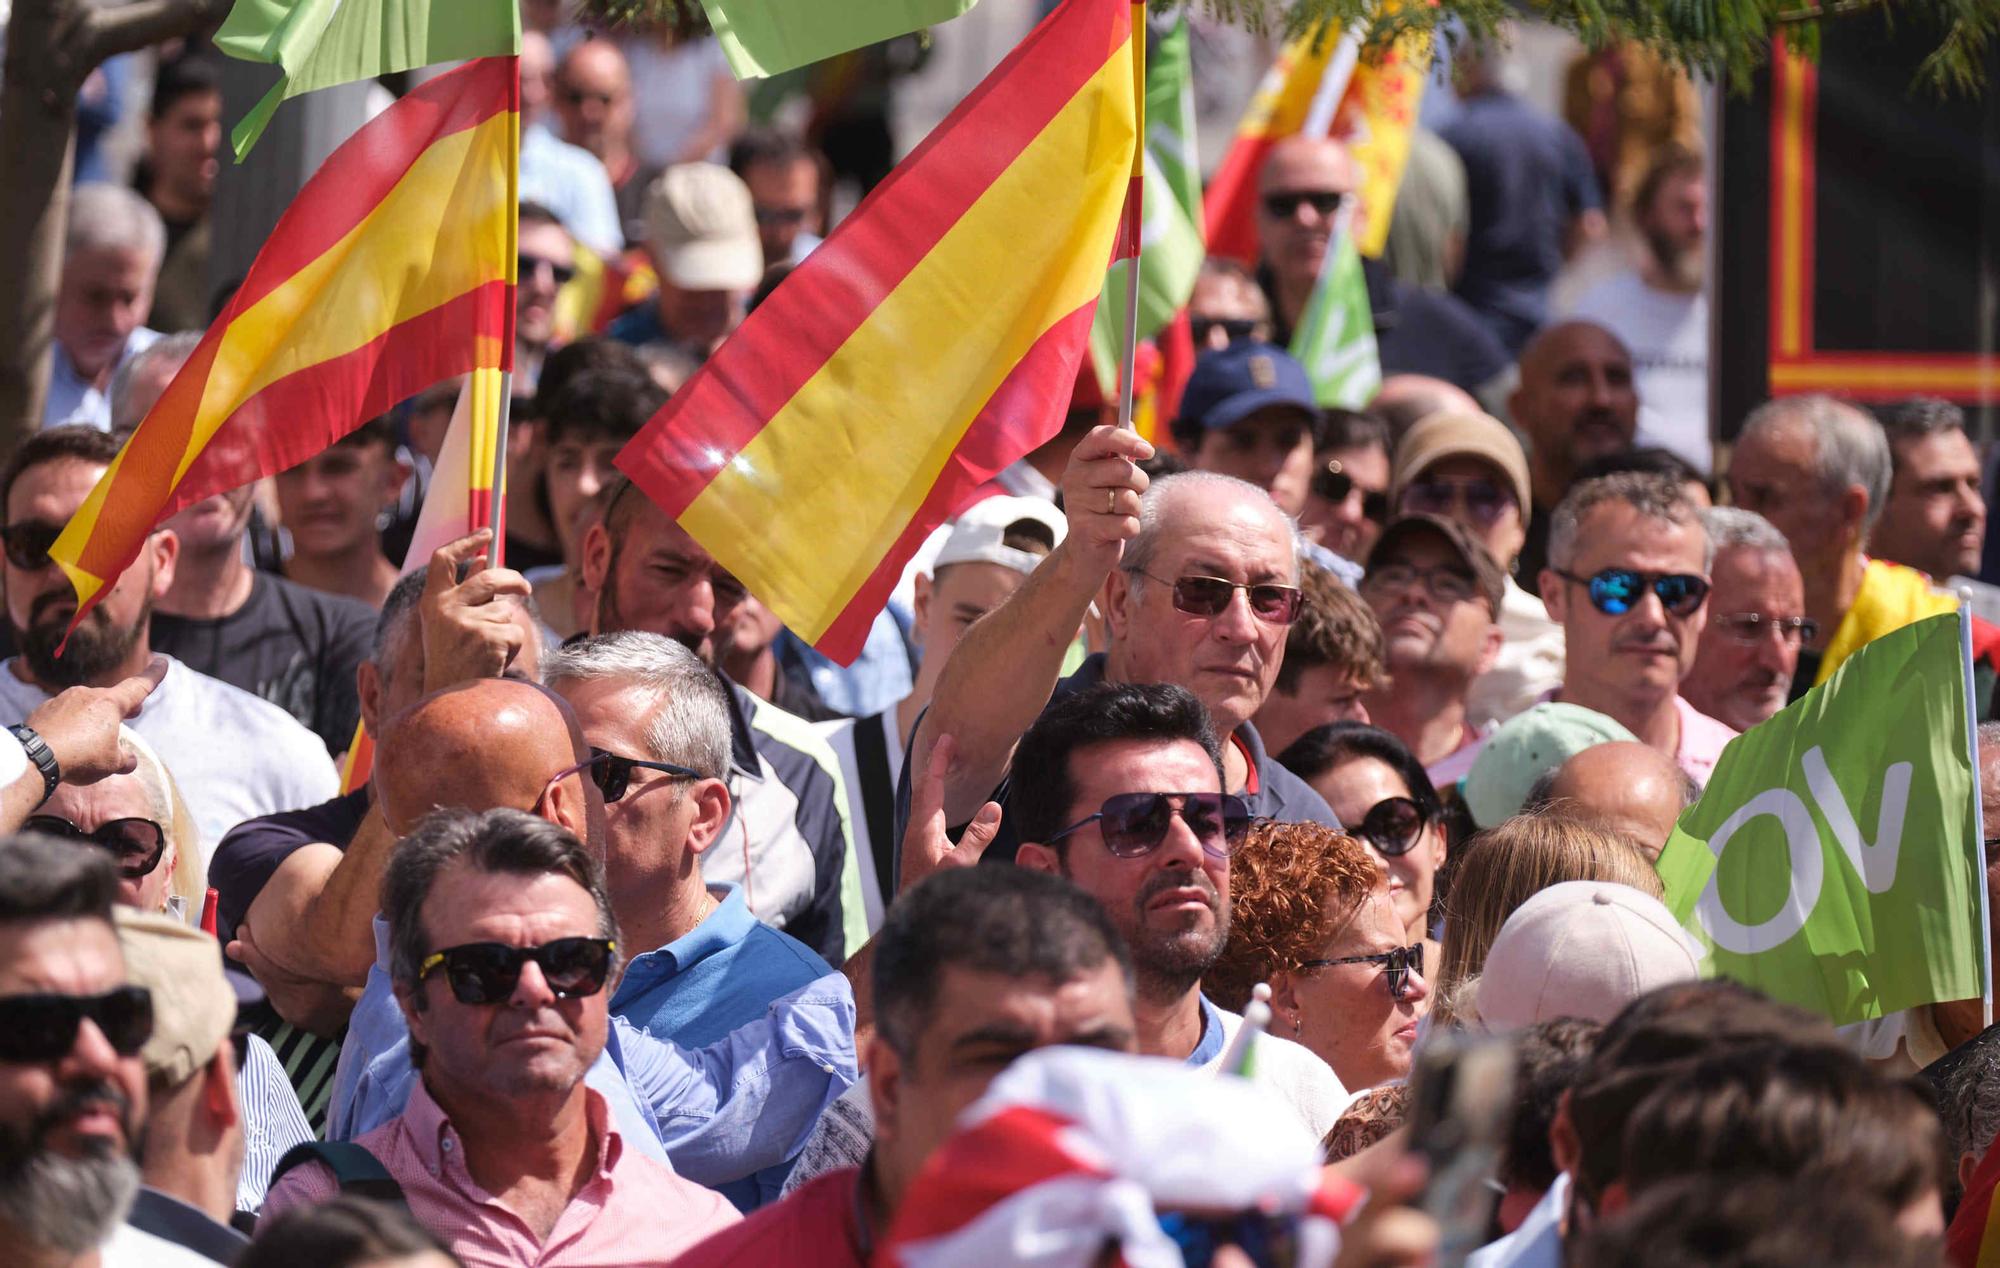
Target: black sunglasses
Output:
[(1286, 203), (1392, 826), (36, 1028), (1234, 329), (612, 773), (529, 265), (1397, 965), (138, 844), (1210, 596), (1616, 591), (1331, 484), (486, 972), (1134, 824), (1483, 501), (27, 544)]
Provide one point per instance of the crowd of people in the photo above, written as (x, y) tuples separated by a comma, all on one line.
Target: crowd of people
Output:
[(1187, 796)]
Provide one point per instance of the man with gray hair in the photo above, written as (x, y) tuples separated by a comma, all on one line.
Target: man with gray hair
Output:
[(1628, 580), (1757, 622), (657, 722), (1199, 580), (111, 260)]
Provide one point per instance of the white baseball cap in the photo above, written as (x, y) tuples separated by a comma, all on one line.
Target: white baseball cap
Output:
[(1581, 949), (978, 535), (703, 229)]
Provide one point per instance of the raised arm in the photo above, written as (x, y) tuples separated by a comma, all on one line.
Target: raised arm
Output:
[(1000, 675)]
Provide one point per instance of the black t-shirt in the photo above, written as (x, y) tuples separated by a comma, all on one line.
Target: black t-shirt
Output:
[(243, 863), (292, 645)]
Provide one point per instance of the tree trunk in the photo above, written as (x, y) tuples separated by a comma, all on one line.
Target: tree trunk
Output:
[(52, 46)]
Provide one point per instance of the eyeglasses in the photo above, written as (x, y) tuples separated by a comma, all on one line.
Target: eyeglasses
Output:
[(1397, 965), (530, 265), (1267, 1239), (1331, 484), (1285, 204), (1483, 501), (1445, 584), (1750, 628), (137, 844), (1134, 824), (1234, 329), (1616, 591), (1392, 826), (27, 544), (1210, 596), (35, 1028), (487, 972), (781, 215), (612, 773)]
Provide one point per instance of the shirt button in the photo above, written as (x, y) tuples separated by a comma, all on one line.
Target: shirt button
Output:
[(447, 1144)]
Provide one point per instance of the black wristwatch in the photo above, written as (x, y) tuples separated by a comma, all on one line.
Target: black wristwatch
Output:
[(39, 753)]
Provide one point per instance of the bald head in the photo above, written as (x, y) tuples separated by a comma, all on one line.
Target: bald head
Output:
[(1407, 399), (1300, 193), (594, 99), (1624, 785), (481, 745), (1575, 401)]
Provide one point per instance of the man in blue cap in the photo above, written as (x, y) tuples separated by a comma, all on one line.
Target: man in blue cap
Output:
[(1248, 412)]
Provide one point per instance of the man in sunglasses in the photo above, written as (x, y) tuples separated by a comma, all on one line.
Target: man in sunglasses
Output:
[(1347, 501), (1628, 578), (593, 103), (1226, 306), (1248, 411), (1757, 622), (547, 261), (1118, 788), (504, 952), (784, 180)]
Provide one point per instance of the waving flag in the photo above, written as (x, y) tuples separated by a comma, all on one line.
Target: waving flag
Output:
[(1335, 341), (930, 341), (391, 270), (770, 37)]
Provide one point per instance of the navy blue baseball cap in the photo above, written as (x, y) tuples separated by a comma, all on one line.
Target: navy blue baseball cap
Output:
[(1230, 384)]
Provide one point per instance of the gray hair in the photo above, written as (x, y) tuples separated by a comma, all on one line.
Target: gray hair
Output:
[(1153, 524), (1654, 496), (1849, 447), (1732, 527), (690, 724), (45, 879), (110, 217), (1971, 1101), (168, 354)]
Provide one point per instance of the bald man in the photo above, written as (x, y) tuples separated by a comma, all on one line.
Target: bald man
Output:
[(1624, 785), (593, 101), (1575, 402)]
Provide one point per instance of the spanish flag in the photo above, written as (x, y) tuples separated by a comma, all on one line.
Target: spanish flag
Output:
[(392, 269), (933, 339)]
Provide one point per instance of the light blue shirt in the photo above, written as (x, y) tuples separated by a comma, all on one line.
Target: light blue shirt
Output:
[(572, 183), (878, 679), (74, 399), (1537, 1242), (716, 1114)]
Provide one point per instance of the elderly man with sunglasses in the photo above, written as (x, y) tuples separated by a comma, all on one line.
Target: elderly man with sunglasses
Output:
[(1628, 578), (503, 951), (1201, 598)]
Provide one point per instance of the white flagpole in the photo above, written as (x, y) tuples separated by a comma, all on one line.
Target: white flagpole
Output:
[(1978, 808)]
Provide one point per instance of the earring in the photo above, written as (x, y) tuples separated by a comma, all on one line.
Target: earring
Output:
[(1298, 1026)]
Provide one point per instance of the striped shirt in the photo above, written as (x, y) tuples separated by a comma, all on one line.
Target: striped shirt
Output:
[(272, 1121)]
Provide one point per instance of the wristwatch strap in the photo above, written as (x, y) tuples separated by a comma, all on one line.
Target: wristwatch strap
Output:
[(39, 753)]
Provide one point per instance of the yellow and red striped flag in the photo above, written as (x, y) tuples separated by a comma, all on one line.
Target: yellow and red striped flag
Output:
[(930, 341), (392, 269)]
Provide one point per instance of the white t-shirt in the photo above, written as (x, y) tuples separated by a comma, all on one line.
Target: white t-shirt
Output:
[(1667, 334), (672, 95), (233, 755), (1530, 664)]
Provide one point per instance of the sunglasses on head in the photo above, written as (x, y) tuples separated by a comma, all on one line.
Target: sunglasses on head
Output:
[(1134, 824), (487, 972), (1234, 329), (1397, 965), (612, 773), (1210, 596), (138, 844), (1331, 484), (1269, 1240), (1392, 826), (35, 1028), (1616, 591), (1483, 501), (1284, 205), (533, 264), (1752, 628), (27, 544)]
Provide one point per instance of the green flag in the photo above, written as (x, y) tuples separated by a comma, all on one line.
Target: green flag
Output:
[(1835, 859), (769, 37), (1335, 340), (1170, 247), (320, 43)]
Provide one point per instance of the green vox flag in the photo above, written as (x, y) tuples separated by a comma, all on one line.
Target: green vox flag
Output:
[(1835, 860), (320, 43), (1335, 340), (768, 37), (1170, 246)]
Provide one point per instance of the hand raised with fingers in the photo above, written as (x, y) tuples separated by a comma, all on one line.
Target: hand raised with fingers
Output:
[(926, 846), (1100, 489), (469, 630), (80, 724)]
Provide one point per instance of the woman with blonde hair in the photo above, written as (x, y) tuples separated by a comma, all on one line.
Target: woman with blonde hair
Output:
[(141, 818), (1501, 868)]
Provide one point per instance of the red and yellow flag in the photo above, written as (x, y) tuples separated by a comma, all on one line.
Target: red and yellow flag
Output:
[(391, 270), (930, 341)]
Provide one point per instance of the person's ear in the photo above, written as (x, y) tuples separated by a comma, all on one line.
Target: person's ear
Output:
[(711, 814), (1489, 652), (1119, 602), (1037, 857), (415, 1014), (920, 611), (1555, 597), (218, 1087), (885, 1086), (595, 563), (165, 548), (1286, 1009), (395, 474), (1853, 509), (564, 805), (1968, 1162), (368, 685), (1565, 1146)]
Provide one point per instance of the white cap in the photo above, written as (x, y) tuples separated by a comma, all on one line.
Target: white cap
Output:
[(703, 229), (1581, 949), (978, 535)]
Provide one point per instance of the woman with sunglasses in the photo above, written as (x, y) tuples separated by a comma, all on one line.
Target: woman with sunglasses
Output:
[(141, 821), (1311, 914), (1379, 790)]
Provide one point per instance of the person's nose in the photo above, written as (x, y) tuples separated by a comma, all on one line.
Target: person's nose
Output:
[(1776, 652), (589, 480), (1180, 848), (90, 1058), (531, 989), (1415, 988), (1236, 623)]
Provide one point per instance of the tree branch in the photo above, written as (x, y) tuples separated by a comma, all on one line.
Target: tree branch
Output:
[(111, 31), (1818, 11)]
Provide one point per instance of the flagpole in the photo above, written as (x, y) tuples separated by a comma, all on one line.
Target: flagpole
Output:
[(496, 515), (1135, 220), (1978, 808)]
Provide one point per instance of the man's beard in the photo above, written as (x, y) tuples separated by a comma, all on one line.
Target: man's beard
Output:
[(96, 649), (1687, 267), (1168, 965), (59, 1203), (610, 620)]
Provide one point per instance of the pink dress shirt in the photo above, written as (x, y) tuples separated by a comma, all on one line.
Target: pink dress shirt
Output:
[(633, 1210)]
